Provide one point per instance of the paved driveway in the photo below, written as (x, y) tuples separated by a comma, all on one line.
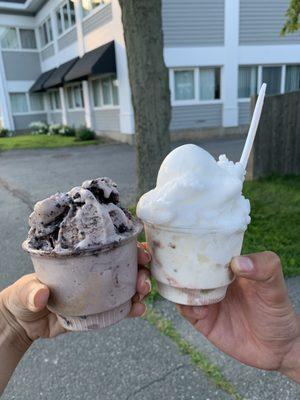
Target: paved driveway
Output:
[(131, 360)]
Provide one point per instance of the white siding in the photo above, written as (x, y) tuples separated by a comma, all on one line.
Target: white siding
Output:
[(102, 17), (76, 118), (21, 65), (262, 20), (244, 113), (193, 22), (106, 120), (47, 52), (56, 118), (22, 121), (67, 39), (196, 116)]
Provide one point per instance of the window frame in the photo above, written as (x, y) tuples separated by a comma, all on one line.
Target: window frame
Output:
[(60, 10), (28, 103), (104, 106), (49, 93), (72, 86), (20, 48), (48, 24), (197, 74)]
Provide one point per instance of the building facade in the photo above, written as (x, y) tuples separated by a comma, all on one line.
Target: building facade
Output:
[(63, 64)]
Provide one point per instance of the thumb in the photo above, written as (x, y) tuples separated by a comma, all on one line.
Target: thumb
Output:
[(265, 270), (27, 295)]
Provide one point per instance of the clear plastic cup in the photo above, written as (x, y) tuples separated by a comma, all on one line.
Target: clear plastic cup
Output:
[(191, 266)]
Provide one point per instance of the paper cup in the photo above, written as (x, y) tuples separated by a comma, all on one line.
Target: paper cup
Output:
[(92, 289), (192, 266)]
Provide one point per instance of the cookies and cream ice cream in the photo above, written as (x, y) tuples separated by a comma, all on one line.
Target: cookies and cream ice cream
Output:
[(88, 216), (195, 221), (194, 190)]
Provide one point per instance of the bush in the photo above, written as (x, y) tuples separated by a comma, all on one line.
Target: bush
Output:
[(84, 133), (54, 129), (65, 130), (4, 132), (39, 128)]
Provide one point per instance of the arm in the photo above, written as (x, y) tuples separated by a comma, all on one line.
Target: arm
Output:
[(12, 346)]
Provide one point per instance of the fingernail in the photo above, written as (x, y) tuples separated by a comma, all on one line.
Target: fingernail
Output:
[(148, 282), (243, 264)]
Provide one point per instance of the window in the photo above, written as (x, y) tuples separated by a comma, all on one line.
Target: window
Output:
[(115, 91), (209, 80), (27, 37), (45, 31), (54, 100), (272, 77), (105, 92), (247, 81), (88, 6), (36, 102), (75, 97), (292, 78), (197, 84), (96, 88), (65, 16), (26, 102), (18, 102), (184, 85), (8, 38)]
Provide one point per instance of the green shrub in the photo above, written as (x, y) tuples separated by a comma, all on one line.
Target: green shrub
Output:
[(39, 128), (65, 130), (54, 129), (84, 133), (4, 132)]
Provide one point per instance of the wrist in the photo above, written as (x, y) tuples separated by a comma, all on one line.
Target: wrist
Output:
[(291, 363), (11, 331)]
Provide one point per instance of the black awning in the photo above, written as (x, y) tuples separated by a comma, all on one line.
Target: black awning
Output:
[(99, 61), (38, 85), (58, 76)]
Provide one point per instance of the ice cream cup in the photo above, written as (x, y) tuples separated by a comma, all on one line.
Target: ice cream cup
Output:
[(90, 289), (191, 266)]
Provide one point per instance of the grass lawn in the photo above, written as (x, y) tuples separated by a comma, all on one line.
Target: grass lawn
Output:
[(275, 225), (41, 141), (275, 214)]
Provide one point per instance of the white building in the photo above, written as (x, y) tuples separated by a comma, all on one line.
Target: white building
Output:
[(62, 64)]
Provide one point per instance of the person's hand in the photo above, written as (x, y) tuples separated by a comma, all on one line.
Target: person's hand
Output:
[(143, 286), (23, 305), (255, 323)]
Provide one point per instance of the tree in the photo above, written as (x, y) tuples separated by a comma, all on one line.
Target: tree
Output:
[(149, 82), (293, 18)]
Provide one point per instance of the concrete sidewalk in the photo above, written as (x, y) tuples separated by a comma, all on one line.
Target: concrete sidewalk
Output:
[(131, 360)]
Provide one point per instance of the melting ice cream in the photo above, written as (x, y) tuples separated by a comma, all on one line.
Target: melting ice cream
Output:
[(195, 190)]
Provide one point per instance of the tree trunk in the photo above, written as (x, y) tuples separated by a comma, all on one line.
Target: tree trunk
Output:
[(149, 82)]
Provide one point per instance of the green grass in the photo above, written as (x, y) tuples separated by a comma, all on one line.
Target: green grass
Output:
[(41, 141), (198, 359), (275, 214)]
